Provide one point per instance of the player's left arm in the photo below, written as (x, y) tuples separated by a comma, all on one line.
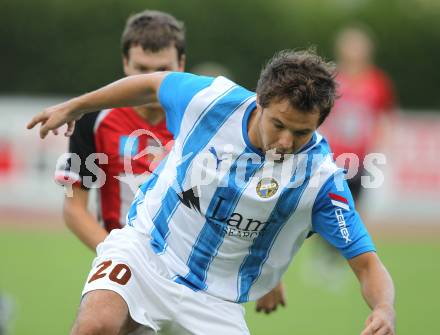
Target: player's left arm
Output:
[(271, 300), (378, 291), (335, 218)]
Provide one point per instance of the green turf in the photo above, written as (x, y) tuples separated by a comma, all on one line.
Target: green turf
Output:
[(44, 273)]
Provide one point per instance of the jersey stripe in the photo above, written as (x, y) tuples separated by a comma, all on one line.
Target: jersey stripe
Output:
[(252, 264), (144, 188), (208, 109), (197, 139), (220, 209)]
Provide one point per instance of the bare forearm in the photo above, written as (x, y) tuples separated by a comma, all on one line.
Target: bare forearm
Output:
[(85, 227), (377, 287), (378, 291)]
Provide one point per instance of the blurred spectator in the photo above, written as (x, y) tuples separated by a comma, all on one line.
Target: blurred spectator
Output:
[(366, 101), (356, 125), (5, 157)]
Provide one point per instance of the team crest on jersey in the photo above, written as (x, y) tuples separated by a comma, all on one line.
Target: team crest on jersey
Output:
[(267, 187)]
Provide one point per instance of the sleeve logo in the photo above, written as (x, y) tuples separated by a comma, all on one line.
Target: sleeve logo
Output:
[(341, 203)]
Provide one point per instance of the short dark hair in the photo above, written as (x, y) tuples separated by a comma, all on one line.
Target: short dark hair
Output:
[(305, 79), (153, 30)]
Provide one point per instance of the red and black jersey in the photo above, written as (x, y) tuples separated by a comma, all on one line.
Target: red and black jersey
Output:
[(353, 123), (130, 146)]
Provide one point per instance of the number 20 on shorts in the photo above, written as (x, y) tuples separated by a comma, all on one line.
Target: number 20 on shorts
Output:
[(120, 273)]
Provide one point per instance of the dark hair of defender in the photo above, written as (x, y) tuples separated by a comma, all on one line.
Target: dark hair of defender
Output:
[(153, 31)]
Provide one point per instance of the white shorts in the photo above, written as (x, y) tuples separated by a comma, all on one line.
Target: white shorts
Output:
[(126, 265)]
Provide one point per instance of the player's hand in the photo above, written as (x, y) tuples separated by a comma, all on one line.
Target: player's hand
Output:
[(380, 322), (269, 302), (54, 117)]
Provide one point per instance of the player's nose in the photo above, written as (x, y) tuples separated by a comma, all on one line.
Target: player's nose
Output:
[(285, 142)]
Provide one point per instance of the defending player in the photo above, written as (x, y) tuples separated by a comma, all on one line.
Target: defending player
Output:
[(219, 221), (152, 41)]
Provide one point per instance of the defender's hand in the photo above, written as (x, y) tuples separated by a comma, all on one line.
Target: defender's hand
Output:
[(380, 322), (54, 117), (269, 302)]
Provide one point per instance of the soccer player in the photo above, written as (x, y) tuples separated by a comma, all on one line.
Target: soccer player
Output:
[(151, 41), (218, 222)]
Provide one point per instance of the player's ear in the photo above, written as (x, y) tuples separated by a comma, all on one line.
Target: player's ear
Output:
[(125, 65), (182, 63), (259, 108)]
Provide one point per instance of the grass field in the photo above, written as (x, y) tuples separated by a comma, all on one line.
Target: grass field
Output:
[(43, 272)]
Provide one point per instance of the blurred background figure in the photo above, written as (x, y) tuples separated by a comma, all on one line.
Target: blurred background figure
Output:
[(366, 101), (6, 309), (357, 125)]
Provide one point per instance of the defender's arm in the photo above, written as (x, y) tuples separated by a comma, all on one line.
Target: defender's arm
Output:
[(80, 221)]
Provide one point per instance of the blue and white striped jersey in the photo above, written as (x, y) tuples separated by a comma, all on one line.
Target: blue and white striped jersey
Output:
[(222, 217)]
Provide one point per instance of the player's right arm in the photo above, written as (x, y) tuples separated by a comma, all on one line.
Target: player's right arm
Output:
[(76, 213), (79, 219), (130, 91), (270, 301), (336, 220)]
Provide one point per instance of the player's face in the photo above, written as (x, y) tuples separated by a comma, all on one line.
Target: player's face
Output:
[(140, 61), (283, 128), (354, 47)]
